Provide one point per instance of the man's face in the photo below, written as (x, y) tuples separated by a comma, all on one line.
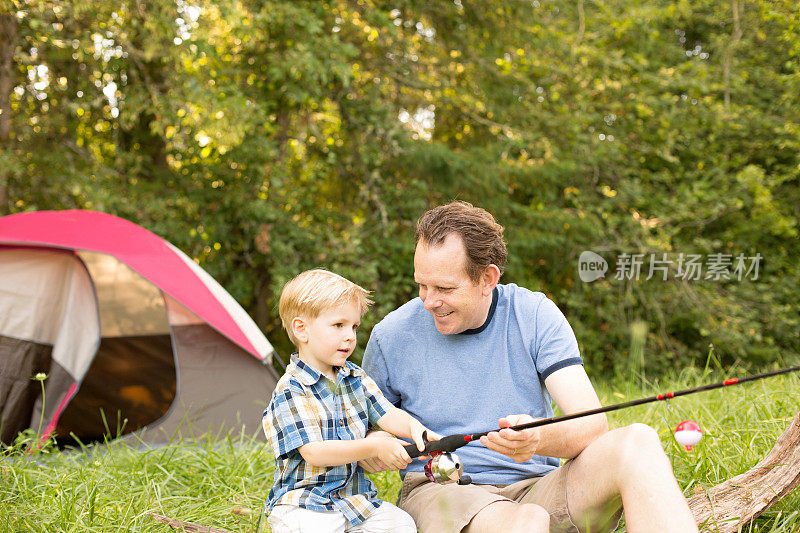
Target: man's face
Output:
[(452, 298)]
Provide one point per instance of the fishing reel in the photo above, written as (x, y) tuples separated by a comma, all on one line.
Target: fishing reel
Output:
[(445, 468)]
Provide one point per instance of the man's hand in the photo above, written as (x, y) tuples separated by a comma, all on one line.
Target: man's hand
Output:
[(518, 445), (373, 464)]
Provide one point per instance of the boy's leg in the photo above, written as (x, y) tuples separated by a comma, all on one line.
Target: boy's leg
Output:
[(293, 519), (386, 519)]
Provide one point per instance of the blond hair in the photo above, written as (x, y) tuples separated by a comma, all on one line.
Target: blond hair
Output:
[(311, 292)]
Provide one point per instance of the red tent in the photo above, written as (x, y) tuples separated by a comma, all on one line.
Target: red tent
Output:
[(129, 330)]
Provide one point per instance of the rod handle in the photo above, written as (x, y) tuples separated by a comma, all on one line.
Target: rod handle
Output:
[(447, 444)]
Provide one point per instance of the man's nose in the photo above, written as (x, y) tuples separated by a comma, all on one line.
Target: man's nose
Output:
[(431, 301)]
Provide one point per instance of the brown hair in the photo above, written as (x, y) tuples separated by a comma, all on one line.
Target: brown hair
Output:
[(481, 235), (311, 292)]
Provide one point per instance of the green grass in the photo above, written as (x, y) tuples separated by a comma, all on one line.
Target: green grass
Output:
[(222, 481)]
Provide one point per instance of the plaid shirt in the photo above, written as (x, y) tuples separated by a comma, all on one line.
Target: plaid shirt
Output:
[(307, 407)]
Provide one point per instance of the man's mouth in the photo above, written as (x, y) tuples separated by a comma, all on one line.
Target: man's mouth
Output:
[(442, 315)]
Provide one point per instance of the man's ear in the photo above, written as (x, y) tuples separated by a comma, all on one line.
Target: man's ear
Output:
[(299, 329), (491, 277)]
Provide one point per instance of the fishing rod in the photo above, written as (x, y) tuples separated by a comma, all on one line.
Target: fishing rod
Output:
[(445, 467)]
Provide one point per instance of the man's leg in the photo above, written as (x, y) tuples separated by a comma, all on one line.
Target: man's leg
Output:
[(510, 517), (627, 463), (454, 508)]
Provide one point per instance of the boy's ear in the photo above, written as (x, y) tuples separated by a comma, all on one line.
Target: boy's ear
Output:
[(299, 329)]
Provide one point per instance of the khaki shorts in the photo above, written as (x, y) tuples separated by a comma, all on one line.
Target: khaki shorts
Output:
[(449, 508)]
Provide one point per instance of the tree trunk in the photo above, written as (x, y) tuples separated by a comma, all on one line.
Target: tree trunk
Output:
[(8, 42), (737, 501)]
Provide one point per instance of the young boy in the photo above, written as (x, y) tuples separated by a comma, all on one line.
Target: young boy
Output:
[(318, 417)]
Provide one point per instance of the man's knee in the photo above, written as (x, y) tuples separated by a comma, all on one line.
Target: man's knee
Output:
[(640, 451), (530, 513), (640, 439), (630, 446)]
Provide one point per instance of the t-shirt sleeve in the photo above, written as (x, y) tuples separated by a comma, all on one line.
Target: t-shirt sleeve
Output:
[(555, 346), (374, 364), (291, 420), (377, 403)]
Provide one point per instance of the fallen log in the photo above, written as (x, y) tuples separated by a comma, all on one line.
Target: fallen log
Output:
[(735, 502)]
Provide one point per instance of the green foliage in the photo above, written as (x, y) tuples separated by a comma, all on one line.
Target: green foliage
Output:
[(264, 137)]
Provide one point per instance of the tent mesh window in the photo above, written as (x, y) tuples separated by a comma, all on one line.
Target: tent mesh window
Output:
[(131, 382)]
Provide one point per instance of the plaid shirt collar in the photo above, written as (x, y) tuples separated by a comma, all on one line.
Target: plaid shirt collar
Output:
[(308, 375)]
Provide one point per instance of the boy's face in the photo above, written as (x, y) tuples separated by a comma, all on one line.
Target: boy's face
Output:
[(328, 340)]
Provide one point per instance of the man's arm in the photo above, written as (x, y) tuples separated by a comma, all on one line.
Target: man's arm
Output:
[(573, 392)]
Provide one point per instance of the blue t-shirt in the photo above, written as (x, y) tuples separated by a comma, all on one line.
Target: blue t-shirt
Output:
[(464, 383)]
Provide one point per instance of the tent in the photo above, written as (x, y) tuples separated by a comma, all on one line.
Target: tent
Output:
[(132, 335)]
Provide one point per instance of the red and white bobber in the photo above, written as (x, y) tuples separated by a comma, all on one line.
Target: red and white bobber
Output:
[(688, 434)]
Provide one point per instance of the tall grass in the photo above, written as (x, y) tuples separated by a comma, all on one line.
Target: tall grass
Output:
[(222, 481)]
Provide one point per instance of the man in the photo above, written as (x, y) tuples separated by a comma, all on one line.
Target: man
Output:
[(468, 352)]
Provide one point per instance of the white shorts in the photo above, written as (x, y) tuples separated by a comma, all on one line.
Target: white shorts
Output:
[(292, 519)]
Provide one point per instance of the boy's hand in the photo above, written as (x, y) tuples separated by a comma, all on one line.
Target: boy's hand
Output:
[(392, 453), (417, 431), (373, 464)]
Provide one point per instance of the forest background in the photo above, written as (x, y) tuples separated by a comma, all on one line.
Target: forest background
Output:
[(267, 137)]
